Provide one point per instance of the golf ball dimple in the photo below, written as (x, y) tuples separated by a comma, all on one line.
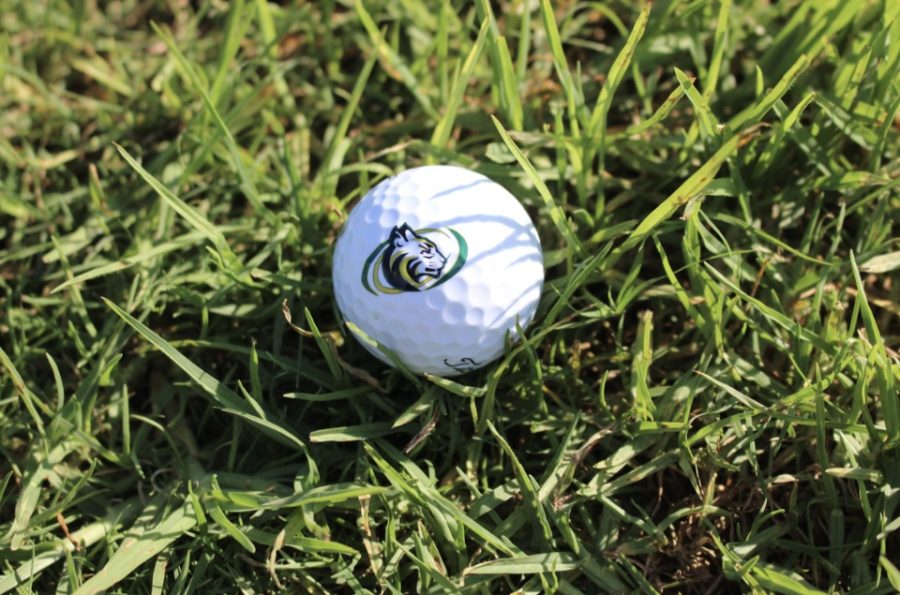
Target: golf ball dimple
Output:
[(438, 264)]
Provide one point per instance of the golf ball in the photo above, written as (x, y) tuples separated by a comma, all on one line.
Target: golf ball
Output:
[(438, 264)]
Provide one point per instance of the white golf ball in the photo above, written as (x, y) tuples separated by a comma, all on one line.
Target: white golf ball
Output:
[(438, 264)]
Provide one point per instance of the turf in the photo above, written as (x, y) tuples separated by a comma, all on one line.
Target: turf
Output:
[(706, 402)]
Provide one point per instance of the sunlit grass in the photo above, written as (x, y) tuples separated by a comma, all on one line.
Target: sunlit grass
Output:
[(706, 402)]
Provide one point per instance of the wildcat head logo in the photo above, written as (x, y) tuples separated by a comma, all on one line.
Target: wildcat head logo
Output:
[(414, 260)]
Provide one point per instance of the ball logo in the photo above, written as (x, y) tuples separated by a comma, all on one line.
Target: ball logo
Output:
[(414, 260)]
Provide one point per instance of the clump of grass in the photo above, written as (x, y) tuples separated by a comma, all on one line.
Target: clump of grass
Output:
[(707, 401)]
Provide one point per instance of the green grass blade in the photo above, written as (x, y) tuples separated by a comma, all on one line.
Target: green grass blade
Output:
[(330, 495), (223, 396), (615, 76), (444, 127), (429, 496), (574, 99), (774, 315), (557, 215), (779, 580), (658, 116), (331, 164), (527, 488), (506, 79), (392, 63), (183, 241), (890, 400), (720, 42), (532, 564), (356, 433), (892, 572), (29, 399), (218, 516), (470, 392), (642, 357), (237, 160), (754, 113), (325, 346), (709, 125), (687, 190), (234, 33), (510, 96), (269, 35), (39, 469), (144, 543), (87, 536), (191, 215)]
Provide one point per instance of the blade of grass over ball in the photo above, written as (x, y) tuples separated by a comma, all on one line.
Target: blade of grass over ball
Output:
[(237, 160), (191, 215), (557, 215), (223, 396), (444, 127)]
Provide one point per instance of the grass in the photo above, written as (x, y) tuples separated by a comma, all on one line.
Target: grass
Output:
[(706, 402)]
